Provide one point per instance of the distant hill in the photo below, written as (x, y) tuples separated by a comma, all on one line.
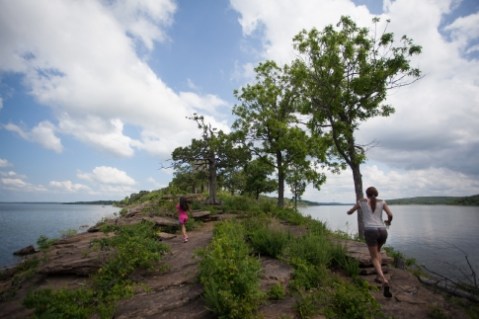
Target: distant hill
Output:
[(437, 200), (311, 203), (420, 200)]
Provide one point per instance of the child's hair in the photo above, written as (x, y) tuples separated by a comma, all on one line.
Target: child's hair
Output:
[(184, 203), (372, 193)]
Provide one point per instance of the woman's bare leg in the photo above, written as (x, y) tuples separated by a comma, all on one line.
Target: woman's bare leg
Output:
[(376, 261)]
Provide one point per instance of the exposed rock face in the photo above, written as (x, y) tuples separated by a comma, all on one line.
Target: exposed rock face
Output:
[(25, 251), (75, 256)]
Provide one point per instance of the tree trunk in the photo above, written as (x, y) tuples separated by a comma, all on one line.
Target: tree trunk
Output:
[(279, 163), (212, 179), (358, 188)]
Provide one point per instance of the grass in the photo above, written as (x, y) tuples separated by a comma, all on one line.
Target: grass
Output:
[(229, 269), (134, 247)]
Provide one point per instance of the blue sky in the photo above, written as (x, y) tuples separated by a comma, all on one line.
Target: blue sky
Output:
[(94, 94)]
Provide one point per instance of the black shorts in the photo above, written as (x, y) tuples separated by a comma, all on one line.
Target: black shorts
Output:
[(375, 237)]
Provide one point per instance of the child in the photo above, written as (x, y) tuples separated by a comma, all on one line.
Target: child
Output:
[(182, 209)]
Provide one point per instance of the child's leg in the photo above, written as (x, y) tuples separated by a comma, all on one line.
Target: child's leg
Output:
[(183, 231)]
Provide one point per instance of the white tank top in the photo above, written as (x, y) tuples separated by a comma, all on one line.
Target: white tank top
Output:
[(370, 219)]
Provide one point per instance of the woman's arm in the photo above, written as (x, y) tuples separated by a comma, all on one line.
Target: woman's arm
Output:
[(353, 209), (389, 213)]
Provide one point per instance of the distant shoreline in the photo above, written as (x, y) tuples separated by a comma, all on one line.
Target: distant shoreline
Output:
[(99, 202), (420, 200)]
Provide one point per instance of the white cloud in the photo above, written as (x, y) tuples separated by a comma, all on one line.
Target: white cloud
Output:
[(68, 186), (43, 133), (88, 70), (106, 134), (12, 181), (4, 163), (1, 102), (464, 29), (268, 18), (106, 175), (145, 19)]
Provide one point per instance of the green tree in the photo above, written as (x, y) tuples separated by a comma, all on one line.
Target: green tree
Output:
[(257, 179), (267, 118), (212, 154), (297, 182), (344, 74)]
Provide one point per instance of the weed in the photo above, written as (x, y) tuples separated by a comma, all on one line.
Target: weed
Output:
[(276, 292), (43, 242)]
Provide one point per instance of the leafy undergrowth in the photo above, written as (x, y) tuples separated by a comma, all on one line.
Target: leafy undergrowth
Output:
[(135, 246), (230, 269)]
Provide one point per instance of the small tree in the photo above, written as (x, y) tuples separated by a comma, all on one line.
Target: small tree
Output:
[(297, 182), (257, 179), (344, 74)]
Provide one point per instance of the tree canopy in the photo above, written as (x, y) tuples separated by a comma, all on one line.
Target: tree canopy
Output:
[(344, 75)]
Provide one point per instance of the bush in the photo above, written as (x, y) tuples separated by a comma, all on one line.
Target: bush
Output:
[(229, 275), (350, 301), (134, 246), (276, 292), (265, 239), (44, 242), (314, 249)]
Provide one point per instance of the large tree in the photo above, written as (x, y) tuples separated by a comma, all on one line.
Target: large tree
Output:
[(344, 73), (215, 152), (267, 116)]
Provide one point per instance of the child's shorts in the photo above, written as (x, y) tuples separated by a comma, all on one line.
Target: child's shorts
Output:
[(183, 219)]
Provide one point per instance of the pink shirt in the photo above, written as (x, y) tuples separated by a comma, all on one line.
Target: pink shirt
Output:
[(182, 215)]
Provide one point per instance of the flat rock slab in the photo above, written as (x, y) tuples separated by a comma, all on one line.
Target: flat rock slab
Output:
[(162, 221), (360, 252), (165, 236), (74, 255)]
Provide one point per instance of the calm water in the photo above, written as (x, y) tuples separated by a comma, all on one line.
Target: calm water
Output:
[(21, 224), (438, 237)]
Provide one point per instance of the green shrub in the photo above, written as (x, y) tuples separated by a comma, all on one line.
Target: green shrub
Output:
[(276, 292), (340, 260), (134, 247), (308, 276), (68, 233), (74, 304), (264, 238), (289, 215), (307, 304), (338, 299), (352, 302), (43, 242), (314, 249), (229, 275), (239, 204)]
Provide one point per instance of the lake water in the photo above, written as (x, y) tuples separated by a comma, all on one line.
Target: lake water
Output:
[(438, 237), (21, 224)]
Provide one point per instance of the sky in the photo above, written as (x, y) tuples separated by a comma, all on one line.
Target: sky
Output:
[(95, 95)]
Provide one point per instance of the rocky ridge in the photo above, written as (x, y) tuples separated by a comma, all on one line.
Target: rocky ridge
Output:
[(176, 293)]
